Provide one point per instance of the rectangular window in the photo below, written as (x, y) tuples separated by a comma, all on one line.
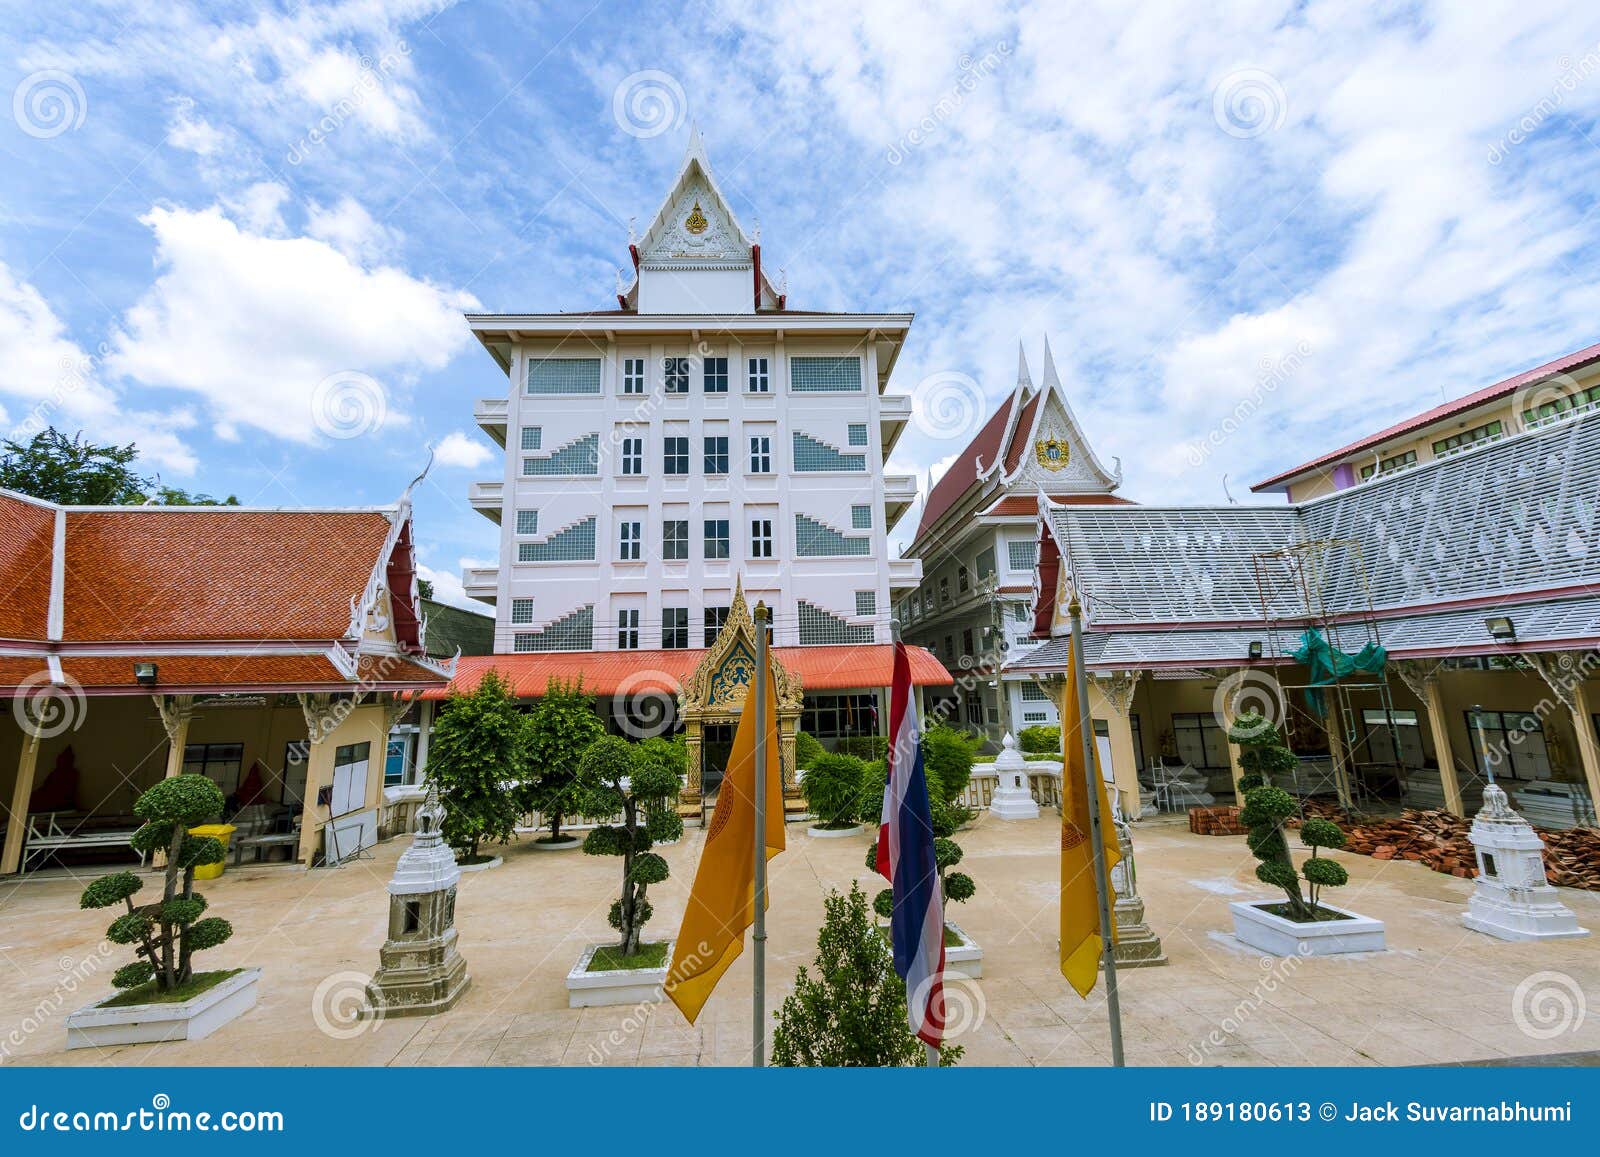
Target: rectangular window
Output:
[(1020, 612), (1021, 555), (715, 374), (675, 628), (944, 588), (715, 618), (675, 540), (812, 454), (1483, 433), (716, 538), (966, 642), (581, 456), (760, 454), (1201, 741), (861, 517), (1562, 403), (1399, 744), (858, 433), (563, 376), (522, 610), (574, 543), (628, 630), (760, 382), (866, 602), (533, 437), (963, 580), (1512, 741), (986, 563), (837, 716), (675, 455), (717, 454), (1033, 693), (814, 375), (218, 762), (1385, 465), (633, 375), (629, 542), (761, 538), (675, 373), (632, 456), (527, 522)]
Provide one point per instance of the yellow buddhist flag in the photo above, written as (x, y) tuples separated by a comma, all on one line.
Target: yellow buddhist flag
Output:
[(722, 902), (1081, 944)]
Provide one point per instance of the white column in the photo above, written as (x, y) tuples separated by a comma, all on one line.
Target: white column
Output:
[(17, 821)]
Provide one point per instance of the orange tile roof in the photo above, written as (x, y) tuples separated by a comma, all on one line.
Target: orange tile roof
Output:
[(28, 531), (191, 673), (963, 472), (147, 574), (1019, 440), (642, 672)]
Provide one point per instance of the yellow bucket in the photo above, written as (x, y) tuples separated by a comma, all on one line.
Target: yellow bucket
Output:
[(220, 833)]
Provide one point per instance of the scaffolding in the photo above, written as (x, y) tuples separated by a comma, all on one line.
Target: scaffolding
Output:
[(1322, 586)]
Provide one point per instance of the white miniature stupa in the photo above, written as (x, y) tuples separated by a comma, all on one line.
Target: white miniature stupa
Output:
[(1513, 900), (1012, 798)]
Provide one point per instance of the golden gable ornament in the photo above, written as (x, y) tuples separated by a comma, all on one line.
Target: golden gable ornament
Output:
[(696, 222), (1051, 452)]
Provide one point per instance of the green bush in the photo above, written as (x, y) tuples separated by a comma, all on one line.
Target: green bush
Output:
[(1040, 740), (165, 935), (640, 782), (948, 755), (874, 779), (807, 749), (863, 746), (833, 789)]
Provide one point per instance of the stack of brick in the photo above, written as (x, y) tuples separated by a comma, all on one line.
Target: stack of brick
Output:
[(1215, 821)]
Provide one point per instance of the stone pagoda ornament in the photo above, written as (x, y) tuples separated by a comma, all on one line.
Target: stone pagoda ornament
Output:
[(420, 972), (1512, 900), (1012, 798), (1136, 946)]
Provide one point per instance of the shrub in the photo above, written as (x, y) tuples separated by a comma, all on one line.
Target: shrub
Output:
[(166, 935), (1040, 740), (560, 729), (948, 819), (479, 745), (874, 778), (640, 781), (807, 749), (863, 746), (833, 789), (948, 755), (853, 1013)]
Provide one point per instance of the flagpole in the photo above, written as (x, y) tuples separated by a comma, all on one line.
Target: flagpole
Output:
[(1080, 679), (758, 935), (930, 1054)]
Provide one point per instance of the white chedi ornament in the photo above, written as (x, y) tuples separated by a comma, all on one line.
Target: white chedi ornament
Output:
[(1012, 798), (1512, 900)]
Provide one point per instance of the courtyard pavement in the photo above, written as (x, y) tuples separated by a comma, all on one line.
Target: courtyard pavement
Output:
[(1441, 994)]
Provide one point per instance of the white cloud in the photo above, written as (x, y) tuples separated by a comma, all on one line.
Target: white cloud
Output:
[(447, 586), (254, 324), (350, 229), (463, 451)]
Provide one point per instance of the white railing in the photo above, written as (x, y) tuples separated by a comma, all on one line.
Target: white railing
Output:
[(1044, 784)]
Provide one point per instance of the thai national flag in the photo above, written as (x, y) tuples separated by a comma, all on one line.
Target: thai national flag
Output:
[(905, 858)]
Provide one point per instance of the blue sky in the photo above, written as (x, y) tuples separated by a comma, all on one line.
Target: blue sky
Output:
[(1250, 235)]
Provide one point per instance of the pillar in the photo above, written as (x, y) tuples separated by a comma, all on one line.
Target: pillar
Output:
[(1439, 726), (1339, 751), (424, 733), (1588, 746), (1124, 766), (17, 821), (319, 773), (175, 711)]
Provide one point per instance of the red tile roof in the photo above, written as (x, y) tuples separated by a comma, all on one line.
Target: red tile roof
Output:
[(1511, 385), (1019, 439), (1014, 505), (963, 472), (28, 532), (644, 672), (196, 673)]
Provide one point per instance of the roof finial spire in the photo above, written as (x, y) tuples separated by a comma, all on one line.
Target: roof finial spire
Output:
[(1023, 377), (1051, 381), (697, 144)]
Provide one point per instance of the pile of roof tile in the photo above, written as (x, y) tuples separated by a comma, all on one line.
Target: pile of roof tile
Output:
[(1439, 840), (1215, 821)]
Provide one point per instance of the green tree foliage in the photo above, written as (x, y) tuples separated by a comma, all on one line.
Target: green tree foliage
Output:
[(832, 789), (75, 472), (874, 778), (477, 755), (958, 886), (807, 749), (561, 728), (639, 782), (1040, 740), (863, 746), (852, 1012), (948, 754), (1262, 755), (165, 935)]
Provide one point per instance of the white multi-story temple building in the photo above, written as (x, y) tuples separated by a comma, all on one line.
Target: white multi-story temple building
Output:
[(977, 545), (698, 437)]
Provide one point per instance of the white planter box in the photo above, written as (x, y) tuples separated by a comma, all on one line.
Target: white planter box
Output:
[(564, 844), (835, 833), (198, 1017), (587, 989), (483, 867), (966, 959), (1273, 934)]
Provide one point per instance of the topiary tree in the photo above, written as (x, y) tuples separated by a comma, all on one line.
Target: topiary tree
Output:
[(1263, 754), (807, 749), (560, 729), (1040, 740), (832, 789), (165, 936), (958, 886), (640, 782), (853, 1014), (478, 754), (948, 755)]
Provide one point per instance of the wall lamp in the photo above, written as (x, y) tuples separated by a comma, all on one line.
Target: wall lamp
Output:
[(1500, 627), (144, 674), (1255, 648)]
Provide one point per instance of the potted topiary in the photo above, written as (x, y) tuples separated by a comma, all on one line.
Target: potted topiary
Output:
[(162, 998), (1301, 924), (853, 1014), (640, 783), (961, 952), (478, 755), (832, 790), (560, 729)]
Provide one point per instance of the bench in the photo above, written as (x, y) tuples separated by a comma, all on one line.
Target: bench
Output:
[(47, 834), (261, 827)]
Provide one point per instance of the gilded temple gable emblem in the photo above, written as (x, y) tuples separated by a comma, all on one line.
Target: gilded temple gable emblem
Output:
[(1051, 452), (696, 222)]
